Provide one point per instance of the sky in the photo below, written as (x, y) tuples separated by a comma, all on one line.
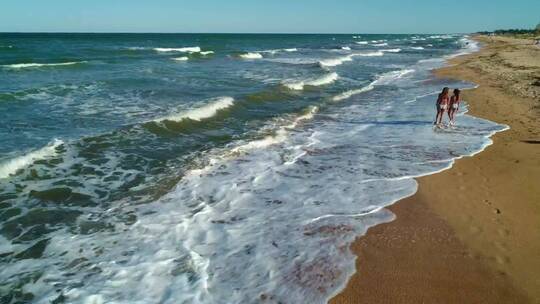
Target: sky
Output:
[(267, 16)]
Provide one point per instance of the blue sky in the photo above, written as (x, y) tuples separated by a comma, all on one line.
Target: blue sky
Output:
[(275, 16)]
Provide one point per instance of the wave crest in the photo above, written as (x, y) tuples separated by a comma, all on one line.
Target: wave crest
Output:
[(392, 50), (290, 50), (203, 112), (349, 94), (194, 49), (38, 65), (334, 61), (383, 79), (250, 55), (370, 54), (11, 166), (323, 80)]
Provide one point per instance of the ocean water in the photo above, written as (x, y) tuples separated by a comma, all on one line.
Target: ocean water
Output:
[(175, 168)]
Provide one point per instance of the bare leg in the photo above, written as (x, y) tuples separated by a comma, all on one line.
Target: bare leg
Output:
[(440, 115), (451, 116)]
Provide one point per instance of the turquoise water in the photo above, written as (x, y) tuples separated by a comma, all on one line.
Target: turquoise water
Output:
[(209, 168)]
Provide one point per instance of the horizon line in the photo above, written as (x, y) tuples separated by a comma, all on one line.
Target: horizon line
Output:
[(227, 33)]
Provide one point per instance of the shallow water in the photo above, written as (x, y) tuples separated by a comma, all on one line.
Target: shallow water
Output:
[(210, 168)]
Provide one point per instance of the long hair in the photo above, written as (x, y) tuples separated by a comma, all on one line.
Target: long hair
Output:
[(444, 92), (456, 93)]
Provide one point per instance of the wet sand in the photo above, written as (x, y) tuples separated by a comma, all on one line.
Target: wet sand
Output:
[(470, 234)]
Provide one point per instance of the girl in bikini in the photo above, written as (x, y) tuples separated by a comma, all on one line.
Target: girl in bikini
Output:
[(454, 106), (442, 105)]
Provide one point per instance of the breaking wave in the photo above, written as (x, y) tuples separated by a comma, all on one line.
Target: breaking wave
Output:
[(315, 82)]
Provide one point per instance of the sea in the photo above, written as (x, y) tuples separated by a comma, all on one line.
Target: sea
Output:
[(211, 168)]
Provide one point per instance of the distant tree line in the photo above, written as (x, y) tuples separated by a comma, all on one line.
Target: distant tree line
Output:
[(514, 31)]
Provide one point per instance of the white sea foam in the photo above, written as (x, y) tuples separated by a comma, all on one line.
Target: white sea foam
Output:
[(251, 55), (370, 54), (288, 207), (207, 53), (206, 111), (361, 42), (335, 61), (350, 93), (137, 48), (392, 50), (440, 37), (295, 61), (273, 52), (314, 82), (380, 44), (11, 166), (38, 65), (273, 224), (467, 45), (330, 62), (280, 135), (417, 48), (194, 49), (180, 58), (272, 220), (383, 79), (389, 77), (345, 48)]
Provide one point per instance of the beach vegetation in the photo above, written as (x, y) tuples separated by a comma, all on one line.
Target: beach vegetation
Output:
[(533, 33)]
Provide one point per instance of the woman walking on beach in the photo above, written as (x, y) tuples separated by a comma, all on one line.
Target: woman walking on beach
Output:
[(442, 105), (454, 106)]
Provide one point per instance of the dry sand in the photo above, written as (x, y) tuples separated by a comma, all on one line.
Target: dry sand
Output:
[(470, 234)]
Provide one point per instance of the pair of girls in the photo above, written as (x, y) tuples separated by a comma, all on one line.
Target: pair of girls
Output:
[(446, 103)]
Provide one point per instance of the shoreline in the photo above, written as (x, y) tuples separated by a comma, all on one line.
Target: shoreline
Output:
[(460, 238)]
